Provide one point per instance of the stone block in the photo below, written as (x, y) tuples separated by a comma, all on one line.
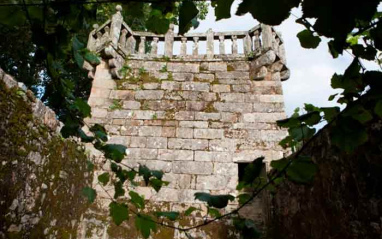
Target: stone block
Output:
[(138, 142), (166, 195), (170, 85), (149, 94), (207, 116), (150, 131), (196, 86), (233, 107), (233, 75), (204, 77), (129, 130), (273, 135), (207, 96), (123, 140), (142, 153), (183, 67), (191, 167), (263, 117), (250, 155), (99, 113), (175, 155), (195, 105), (185, 115), (217, 66), (227, 169), (184, 133), (168, 132), (122, 94), (221, 88), (222, 145), (214, 182), (208, 133), (157, 142), (183, 76), (99, 92), (121, 114), (268, 107), (193, 124), (241, 88), (239, 66), (100, 102), (190, 144), (232, 97), (153, 65), (144, 114), (229, 117), (151, 86), (131, 105), (236, 133), (272, 98), (222, 157)]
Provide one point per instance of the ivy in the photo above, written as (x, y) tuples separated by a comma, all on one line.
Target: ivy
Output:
[(119, 212)]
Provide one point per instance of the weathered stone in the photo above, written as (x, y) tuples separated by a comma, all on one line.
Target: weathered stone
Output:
[(193, 124), (237, 75), (142, 153), (214, 182), (217, 66), (204, 77), (151, 86), (213, 156), (196, 86), (232, 97), (208, 133), (151, 131), (149, 94), (207, 116), (191, 144), (170, 85), (122, 94), (183, 67), (221, 88), (233, 107), (185, 133), (157, 142), (263, 117), (197, 168), (131, 105), (175, 155)]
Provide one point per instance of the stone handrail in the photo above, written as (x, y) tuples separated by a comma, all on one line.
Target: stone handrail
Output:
[(129, 42)]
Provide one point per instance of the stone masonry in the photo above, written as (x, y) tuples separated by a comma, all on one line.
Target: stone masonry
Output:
[(195, 117)]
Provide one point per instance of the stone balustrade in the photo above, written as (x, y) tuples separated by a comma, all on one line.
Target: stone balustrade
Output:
[(129, 43)]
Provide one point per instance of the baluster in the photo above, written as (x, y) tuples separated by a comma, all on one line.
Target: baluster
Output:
[(247, 44), (141, 47), (183, 47), (116, 24), (234, 45), (266, 33), (130, 44), (169, 41), (154, 46), (92, 41), (256, 36), (122, 39), (221, 45), (282, 53), (210, 44), (106, 35), (99, 39), (195, 47)]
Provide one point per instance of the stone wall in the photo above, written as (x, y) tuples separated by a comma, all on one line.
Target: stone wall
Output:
[(194, 119), (345, 199), (41, 174)]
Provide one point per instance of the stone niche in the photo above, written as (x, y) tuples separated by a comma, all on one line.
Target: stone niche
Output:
[(198, 118)]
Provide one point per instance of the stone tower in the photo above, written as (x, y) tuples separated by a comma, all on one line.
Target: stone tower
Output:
[(198, 117)]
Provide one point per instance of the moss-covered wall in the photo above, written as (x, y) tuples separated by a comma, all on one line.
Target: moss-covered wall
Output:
[(345, 199), (41, 174)]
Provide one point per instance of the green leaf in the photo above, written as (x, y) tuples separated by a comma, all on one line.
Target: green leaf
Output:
[(367, 53), (302, 170), (92, 58), (330, 112), (157, 184), (378, 108), (157, 22), (84, 137), (358, 112), (145, 225), (119, 212), (137, 200), (308, 40), (187, 12), (243, 198), (332, 97), (118, 190), (158, 174), (82, 106), (90, 193), (114, 152), (89, 165), (222, 9), (99, 132), (190, 210), (217, 201), (348, 134), (301, 133), (280, 164), (213, 212), (104, 178), (247, 228), (169, 215)]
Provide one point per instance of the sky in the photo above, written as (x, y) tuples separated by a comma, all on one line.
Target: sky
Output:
[(311, 69)]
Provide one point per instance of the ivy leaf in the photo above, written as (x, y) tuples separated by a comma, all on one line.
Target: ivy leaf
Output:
[(348, 134), (332, 97), (169, 215), (213, 212), (190, 210), (145, 173), (243, 198), (367, 53), (99, 131), (280, 164), (157, 184), (247, 228), (118, 190), (308, 40), (222, 9), (158, 174), (119, 212), (145, 225), (137, 200), (187, 12), (302, 170), (217, 201), (91, 57), (104, 178), (302, 133), (157, 22), (90, 193), (84, 137), (330, 112), (82, 106), (89, 166), (358, 112), (114, 152)]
